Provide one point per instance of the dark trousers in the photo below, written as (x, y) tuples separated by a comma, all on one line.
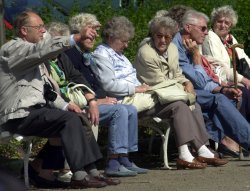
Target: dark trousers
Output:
[(80, 149)]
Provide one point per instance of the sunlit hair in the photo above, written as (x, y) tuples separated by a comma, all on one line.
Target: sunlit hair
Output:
[(224, 11), (118, 28), (193, 17), (160, 13), (176, 12), (162, 22), (22, 19), (81, 20), (58, 29)]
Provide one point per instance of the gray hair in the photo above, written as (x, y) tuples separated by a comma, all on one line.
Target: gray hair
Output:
[(163, 22), (81, 20), (224, 11), (117, 28), (192, 17), (160, 13), (58, 29)]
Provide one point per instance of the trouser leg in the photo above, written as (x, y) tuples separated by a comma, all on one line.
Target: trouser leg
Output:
[(132, 128), (184, 124), (199, 129), (116, 118), (52, 157), (46, 122), (227, 119)]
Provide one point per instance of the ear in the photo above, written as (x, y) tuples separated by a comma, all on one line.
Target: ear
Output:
[(24, 31), (187, 28)]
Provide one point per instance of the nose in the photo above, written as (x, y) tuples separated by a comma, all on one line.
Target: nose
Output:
[(43, 30)]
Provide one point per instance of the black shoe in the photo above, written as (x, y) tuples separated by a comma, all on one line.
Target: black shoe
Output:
[(40, 182), (44, 183), (222, 149), (226, 151)]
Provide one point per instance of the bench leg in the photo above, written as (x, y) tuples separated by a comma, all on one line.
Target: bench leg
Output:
[(165, 148), (27, 152)]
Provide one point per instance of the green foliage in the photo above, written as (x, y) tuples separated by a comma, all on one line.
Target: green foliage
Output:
[(13, 149)]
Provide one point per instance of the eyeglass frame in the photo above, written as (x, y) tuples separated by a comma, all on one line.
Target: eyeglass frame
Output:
[(37, 27), (202, 28)]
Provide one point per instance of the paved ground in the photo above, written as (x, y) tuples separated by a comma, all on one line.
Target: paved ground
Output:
[(235, 176)]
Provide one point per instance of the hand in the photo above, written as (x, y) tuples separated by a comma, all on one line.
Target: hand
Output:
[(93, 113), (188, 87), (193, 49), (142, 88), (191, 46), (88, 32), (246, 82), (232, 93), (107, 100), (73, 107)]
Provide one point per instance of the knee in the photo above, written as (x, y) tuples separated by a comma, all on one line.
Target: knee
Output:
[(221, 99), (132, 110), (180, 106)]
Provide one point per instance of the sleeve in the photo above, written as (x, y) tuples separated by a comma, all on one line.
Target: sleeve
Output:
[(174, 61), (195, 73), (25, 56), (104, 72)]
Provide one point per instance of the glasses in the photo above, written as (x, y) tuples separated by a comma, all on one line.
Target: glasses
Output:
[(125, 41), (202, 28), (38, 27), (167, 38)]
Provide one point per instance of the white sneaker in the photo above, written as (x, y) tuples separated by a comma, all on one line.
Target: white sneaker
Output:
[(64, 177)]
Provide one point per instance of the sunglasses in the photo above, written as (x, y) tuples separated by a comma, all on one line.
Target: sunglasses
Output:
[(202, 28)]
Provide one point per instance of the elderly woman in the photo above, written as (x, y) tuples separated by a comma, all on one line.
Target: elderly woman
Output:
[(120, 119), (219, 41), (111, 63)]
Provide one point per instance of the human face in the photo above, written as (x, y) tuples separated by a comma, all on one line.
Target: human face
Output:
[(222, 27), (33, 31), (119, 44), (197, 32), (88, 43), (162, 39)]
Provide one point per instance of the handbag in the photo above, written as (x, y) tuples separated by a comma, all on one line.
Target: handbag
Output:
[(142, 101), (171, 91), (242, 68), (74, 92)]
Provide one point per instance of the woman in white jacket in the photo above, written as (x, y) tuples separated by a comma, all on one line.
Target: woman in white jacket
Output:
[(218, 43)]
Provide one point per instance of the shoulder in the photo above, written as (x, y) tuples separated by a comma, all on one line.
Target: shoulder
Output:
[(102, 50), (146, 51)]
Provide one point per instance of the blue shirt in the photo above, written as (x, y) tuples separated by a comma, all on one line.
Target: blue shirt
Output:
[(194, 72)]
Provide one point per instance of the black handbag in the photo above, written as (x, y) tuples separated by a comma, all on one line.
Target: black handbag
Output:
[(242, 68)]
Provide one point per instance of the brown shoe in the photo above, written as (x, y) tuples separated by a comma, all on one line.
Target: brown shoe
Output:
[(181, 164), (87, 182), (212, 161), (107, 180)]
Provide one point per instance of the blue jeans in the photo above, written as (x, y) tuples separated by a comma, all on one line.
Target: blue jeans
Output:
[(223, 118), (122, 125)]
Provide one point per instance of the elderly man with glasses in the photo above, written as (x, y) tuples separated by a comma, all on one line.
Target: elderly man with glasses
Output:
[(217, 102)]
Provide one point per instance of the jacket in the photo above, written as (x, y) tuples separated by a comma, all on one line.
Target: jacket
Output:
[(213, 46), (154, 69), (23, 75)]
